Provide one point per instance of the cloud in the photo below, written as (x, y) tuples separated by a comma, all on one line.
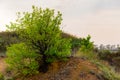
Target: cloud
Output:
[(80, 17)]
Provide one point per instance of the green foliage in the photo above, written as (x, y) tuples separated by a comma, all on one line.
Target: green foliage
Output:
[(41, 30), (75, 41), (83, 44), (84, 47), (86, 44), (21, 59)]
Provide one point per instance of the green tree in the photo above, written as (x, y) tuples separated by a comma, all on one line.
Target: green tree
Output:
[(86, 44), (40, 29), (87, 48)]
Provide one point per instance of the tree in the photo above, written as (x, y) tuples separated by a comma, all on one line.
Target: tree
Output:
[(86, 44), (40, 29)]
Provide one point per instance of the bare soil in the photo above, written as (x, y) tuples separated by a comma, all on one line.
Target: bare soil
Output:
[(2, 65), (74, 69)]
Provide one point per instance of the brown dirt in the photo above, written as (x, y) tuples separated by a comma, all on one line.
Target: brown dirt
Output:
[(74, 69), (2, 65)]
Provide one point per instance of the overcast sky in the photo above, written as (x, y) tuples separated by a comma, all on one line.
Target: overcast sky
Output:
[(99, 18)]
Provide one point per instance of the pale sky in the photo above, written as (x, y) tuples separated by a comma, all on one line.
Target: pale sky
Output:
[(99, 18)]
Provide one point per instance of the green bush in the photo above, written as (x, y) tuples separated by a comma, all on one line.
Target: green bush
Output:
[(22, 59), (86, 44), (40, 29), (75, 41)]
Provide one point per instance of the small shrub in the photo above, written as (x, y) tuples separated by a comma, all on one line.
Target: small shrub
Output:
[(86, 44), (86, 48), (21, 59)]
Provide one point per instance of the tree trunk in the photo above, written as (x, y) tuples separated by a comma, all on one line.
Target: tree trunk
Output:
[(44, 66)]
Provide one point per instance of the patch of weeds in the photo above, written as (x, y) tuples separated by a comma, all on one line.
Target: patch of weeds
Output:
[(107, 72), (87, 55)]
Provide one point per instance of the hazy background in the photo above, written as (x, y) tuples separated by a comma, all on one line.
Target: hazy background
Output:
[(99, 18)]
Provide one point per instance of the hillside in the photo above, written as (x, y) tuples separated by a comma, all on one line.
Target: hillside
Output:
[(73, 69)]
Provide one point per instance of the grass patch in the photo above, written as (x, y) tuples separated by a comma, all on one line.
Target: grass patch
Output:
[(107, 71)]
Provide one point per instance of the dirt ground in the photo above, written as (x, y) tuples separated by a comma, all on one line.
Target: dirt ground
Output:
[(74, 69), (2, 65)]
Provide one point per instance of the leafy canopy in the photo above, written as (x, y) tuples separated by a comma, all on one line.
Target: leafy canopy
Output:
[(86, 44), (40, 29)]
